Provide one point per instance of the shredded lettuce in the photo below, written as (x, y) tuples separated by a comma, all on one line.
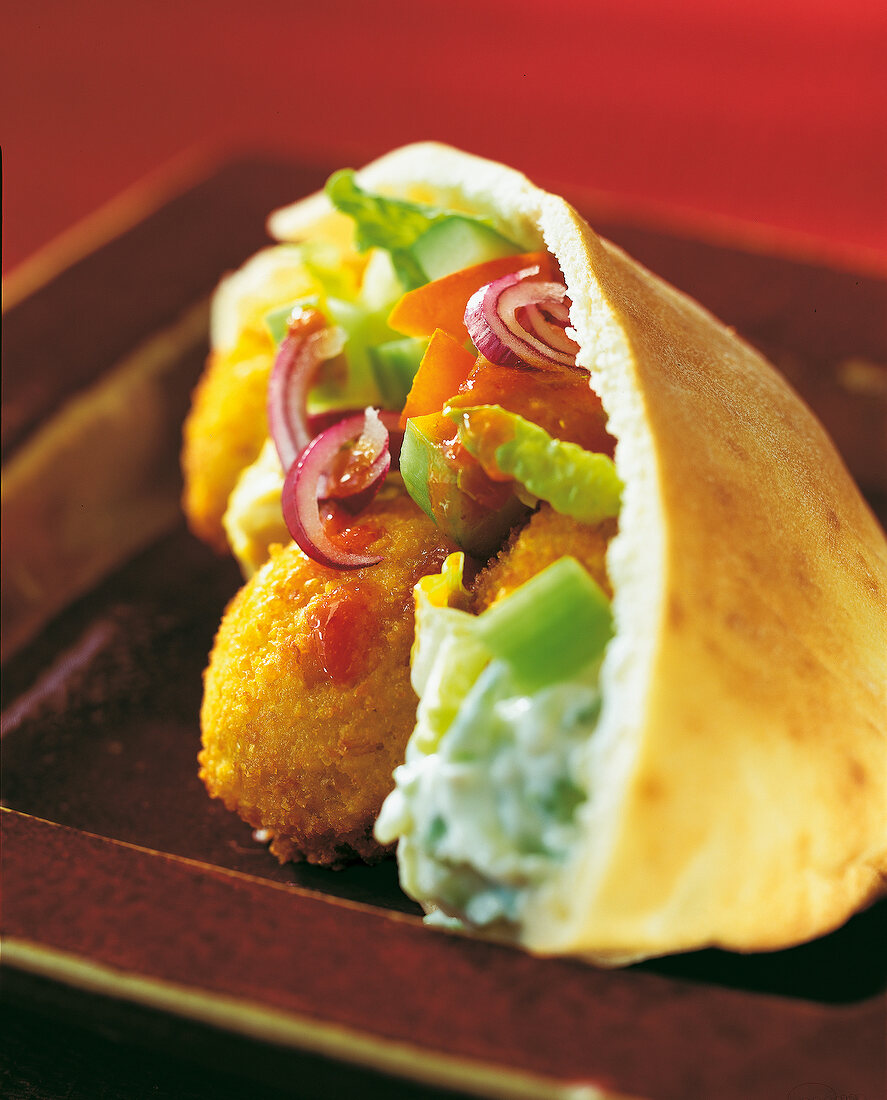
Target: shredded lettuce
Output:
[(575, 482), (381, 222), (393, 224)]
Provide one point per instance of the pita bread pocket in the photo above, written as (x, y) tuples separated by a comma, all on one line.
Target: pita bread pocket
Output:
[(716, 773), (736, 777)]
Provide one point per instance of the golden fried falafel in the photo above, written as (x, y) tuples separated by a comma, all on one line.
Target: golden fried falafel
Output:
[(224, 433), (547, 537), (228, 423), (308, 703)]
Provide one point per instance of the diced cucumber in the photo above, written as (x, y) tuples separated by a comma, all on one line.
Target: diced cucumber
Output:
[(433, 481), (457, 242), (550, 627), (380, 287), (394, 365), (417, 461)]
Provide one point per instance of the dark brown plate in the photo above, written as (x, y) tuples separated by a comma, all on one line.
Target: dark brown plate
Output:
[(139, 916)]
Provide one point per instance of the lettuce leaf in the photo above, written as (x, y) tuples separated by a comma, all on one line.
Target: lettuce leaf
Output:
[(392, 224), (575, 482), (396, 224)]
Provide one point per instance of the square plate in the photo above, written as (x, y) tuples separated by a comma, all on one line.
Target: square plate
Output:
[(134, 903)]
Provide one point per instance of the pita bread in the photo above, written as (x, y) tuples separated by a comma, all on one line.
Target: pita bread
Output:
[(738, 773)]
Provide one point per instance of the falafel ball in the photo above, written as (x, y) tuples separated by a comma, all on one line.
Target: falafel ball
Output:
[(547, 537), (223, 434), (227, 423), (308, 703)]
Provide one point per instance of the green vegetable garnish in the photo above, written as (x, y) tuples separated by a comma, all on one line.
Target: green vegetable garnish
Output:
[(551, 627), (397, 224), (277, 321), (394, 365), (380, 365), (459, 241), (436, 484), (575, 482), (393, 224)]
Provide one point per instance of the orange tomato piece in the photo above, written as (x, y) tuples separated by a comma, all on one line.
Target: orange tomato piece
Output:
[(445, 367), (441, 304), (560, 401)]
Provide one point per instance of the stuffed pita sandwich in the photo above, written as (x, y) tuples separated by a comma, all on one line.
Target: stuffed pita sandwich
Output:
[(650, 658)]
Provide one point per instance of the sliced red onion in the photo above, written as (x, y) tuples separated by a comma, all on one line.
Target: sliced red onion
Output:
[(381, 436), (385, 462), (292, 376), (319, 422), (521, 320), (549, 323), (312, 479), (366, 463)]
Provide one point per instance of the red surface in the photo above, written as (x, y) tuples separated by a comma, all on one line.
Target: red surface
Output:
[(102, 739), (771, 113), (391, 979)]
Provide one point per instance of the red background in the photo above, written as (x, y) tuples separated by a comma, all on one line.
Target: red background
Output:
[(770, 112)]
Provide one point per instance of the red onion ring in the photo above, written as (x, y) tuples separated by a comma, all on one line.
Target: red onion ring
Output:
[(362, 490), (549, 323), (319, 422), (310, 480), (495, 317), (301, 352)]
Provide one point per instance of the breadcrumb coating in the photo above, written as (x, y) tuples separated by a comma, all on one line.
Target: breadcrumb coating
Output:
[(308, 704), (547, 537), (224, 432)]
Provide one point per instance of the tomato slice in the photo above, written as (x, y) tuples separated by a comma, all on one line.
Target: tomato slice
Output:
[(441, 303)]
